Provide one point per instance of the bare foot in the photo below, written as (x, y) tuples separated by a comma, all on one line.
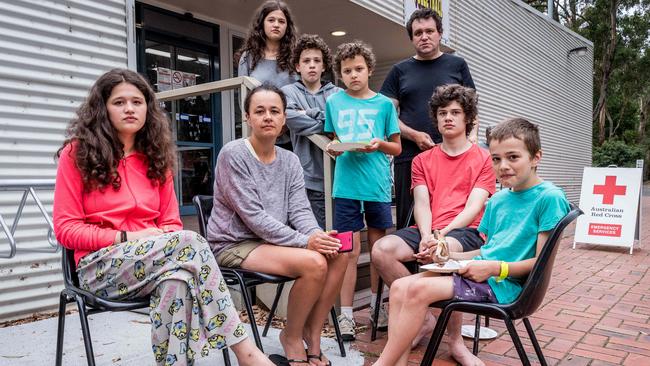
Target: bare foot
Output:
[(462, 355), (293, 348), (249, 355), (426, 329)]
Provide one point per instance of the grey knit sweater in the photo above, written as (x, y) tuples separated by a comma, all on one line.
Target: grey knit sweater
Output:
[(253, 200)]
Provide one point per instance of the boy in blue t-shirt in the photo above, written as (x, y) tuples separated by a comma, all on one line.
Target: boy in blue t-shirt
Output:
[(362, 179), (517, 222)]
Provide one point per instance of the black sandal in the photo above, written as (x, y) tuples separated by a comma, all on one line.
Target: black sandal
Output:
[(283, 361), (319, 357)]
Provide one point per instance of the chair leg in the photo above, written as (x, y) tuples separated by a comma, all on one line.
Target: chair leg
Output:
[(337, 330), (63, 301), (226, 357), (249, 311), (375, 313), (436, 337), (85, 330), (517, 342), (533, 339), (477, 333), (278, 293)]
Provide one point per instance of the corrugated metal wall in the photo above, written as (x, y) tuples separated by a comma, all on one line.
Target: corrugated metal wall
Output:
[(50, 54), (521, 66), (389, 9)]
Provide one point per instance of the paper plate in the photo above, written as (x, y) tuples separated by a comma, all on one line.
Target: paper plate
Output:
[(347, 146), (484, 333), (450, 266)]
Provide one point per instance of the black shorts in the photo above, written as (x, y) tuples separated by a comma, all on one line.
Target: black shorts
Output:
[(468, 237)]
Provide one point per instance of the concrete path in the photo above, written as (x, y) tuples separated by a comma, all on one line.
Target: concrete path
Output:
[(118, 339)]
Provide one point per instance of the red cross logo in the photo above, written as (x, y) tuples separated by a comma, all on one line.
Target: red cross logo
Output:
[(609, 190)]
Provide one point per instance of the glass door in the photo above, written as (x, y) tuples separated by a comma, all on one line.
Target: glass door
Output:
[(172, 61)]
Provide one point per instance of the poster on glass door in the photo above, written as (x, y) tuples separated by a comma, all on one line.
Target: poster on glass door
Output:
[(174, 79)]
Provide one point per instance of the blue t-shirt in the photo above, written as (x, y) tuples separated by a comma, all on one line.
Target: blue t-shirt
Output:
[(358, 175), (511, 222)]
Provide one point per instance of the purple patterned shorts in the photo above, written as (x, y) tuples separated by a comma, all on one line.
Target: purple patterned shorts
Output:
[(468, 290)]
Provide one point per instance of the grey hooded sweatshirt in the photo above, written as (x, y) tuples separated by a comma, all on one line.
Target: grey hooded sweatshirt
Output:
[(301, 125)]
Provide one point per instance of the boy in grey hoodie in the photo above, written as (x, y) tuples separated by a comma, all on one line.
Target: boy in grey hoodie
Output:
[(306, 114)]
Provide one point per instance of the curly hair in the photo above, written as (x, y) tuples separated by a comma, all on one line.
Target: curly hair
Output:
[(351, 50), (312, 42), (519, 128), (98, 148), (256, 40), (466, 97), (423, 13)]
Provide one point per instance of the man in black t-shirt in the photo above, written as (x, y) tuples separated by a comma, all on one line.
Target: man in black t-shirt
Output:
[(410, 84)]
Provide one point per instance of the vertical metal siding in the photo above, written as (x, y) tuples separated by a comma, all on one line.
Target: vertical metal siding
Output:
[(519, 62), (382, 68), (50, 54), (389, 9)]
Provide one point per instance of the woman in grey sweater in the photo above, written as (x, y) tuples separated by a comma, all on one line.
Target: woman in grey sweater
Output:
[(262, 221)]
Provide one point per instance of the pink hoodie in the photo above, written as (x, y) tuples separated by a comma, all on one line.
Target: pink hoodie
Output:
[(89, 221)]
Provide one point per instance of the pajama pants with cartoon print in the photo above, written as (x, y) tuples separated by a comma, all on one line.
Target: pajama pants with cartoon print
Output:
[(191, 310)]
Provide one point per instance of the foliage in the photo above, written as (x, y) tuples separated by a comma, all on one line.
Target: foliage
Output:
[(621, 84), (616, 152)]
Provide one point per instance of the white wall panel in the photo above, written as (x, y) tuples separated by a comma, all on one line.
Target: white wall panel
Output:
[(389, 9), (50, 54), (519, 61)]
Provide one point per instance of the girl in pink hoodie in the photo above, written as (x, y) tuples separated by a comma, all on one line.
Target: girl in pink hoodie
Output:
[(115, 206)]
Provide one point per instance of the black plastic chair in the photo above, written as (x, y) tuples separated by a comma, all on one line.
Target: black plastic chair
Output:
[(247, 279), (413, 267), (87, 303), (527, 302)]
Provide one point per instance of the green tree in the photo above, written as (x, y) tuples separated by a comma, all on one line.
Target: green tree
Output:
[(620, 31)]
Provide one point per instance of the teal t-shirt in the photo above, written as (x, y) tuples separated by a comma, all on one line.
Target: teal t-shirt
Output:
[(511, 222), (358, 175)]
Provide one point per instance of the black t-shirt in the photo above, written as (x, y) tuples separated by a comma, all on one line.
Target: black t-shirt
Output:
[(412, 82)]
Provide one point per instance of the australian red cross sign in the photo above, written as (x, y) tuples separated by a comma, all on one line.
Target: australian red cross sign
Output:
[(610, 199)]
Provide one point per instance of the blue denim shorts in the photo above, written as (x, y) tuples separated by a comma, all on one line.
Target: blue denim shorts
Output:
[(349, 215)]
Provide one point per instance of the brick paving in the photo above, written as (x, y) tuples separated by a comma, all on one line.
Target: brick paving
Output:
[(596, 311)]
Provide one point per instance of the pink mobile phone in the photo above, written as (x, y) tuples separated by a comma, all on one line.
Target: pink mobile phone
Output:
[(346, 241)]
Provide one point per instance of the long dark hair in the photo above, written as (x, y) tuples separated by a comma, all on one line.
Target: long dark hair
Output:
[(256, 40), (98, 148)]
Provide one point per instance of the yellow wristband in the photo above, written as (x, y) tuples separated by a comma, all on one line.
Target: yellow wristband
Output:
[(504, 271)]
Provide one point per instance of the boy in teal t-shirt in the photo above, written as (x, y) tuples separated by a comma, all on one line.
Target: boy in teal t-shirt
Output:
[(362, 179), (517, 221)]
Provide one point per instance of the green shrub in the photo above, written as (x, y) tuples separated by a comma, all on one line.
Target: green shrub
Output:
[(615, 152)]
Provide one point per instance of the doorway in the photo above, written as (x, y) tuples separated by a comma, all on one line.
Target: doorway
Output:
[(176, 51)]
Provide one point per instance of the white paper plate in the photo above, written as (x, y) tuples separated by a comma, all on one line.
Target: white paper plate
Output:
[(450, 266), (484, 333), (347, 146)]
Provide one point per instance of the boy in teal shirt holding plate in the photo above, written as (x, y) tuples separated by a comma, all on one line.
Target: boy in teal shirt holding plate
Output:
[(517, 221), (362, 179)]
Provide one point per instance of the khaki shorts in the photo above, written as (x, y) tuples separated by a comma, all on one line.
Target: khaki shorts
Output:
[(235, 255)]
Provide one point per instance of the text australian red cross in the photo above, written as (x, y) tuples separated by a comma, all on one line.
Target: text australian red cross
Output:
[(609, 190)]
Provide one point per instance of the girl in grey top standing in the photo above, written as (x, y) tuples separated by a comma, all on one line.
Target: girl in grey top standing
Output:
[(261, 221), (266, 54)]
